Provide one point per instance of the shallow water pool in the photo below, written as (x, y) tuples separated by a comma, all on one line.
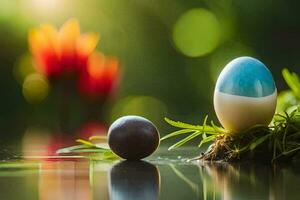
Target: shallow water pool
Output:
[(165, 175)]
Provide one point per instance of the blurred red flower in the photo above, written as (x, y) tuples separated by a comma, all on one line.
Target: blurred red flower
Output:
[(61, 52), (68, 53), (100, 77)]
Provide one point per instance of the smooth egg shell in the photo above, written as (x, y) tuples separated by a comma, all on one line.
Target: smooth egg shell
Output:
[(245, 95), (237, 113)]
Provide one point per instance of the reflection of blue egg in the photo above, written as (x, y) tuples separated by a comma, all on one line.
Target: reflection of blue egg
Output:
[(245, 94)]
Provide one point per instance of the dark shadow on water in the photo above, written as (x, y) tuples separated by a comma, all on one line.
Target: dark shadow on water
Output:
[(134, 180)]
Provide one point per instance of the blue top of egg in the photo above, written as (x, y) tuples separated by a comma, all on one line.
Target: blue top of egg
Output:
[(246, 76)]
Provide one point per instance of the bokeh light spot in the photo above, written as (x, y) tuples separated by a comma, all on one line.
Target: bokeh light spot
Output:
[(196, 32), (35, 88), (41, 8), (23, 67), (146, 106)]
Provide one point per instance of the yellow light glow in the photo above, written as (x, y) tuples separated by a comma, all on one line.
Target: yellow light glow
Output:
[(8, 8), (43, 7), (35, 88), (196, 32), (23, 68)]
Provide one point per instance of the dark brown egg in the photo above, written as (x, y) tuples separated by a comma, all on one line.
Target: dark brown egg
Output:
[(133, 137)]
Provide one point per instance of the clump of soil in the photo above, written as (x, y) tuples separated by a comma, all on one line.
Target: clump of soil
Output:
[(230, 149)]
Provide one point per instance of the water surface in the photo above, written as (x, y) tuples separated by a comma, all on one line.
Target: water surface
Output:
[(165, 175)]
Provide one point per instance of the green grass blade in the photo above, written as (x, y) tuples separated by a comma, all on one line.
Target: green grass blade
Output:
[(182, 131), (217, 128), (89, 150), (291, 151), (188, 126), (184, 178), (204, 125), (257, 142), (98, 137), (207, 139), (185, 140), (78, 148), (84, 142), (81, 149), (109, 155), (70, 149)]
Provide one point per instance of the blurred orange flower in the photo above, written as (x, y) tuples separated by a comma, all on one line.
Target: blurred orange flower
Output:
[(68, 53), (100, 77)]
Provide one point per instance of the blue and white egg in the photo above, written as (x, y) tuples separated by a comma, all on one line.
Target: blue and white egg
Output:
[(245, 95)]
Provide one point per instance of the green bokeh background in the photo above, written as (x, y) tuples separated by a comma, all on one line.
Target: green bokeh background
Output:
[(157, 78)]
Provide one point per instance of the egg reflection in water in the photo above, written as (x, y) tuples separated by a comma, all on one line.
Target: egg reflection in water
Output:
[(134, 180), (245, 94), (226, 181)]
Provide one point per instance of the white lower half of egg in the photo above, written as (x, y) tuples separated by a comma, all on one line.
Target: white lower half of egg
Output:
[(237, 113)]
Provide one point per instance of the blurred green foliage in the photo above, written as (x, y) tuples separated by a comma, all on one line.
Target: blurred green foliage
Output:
[(140, 33), (289, 99)]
